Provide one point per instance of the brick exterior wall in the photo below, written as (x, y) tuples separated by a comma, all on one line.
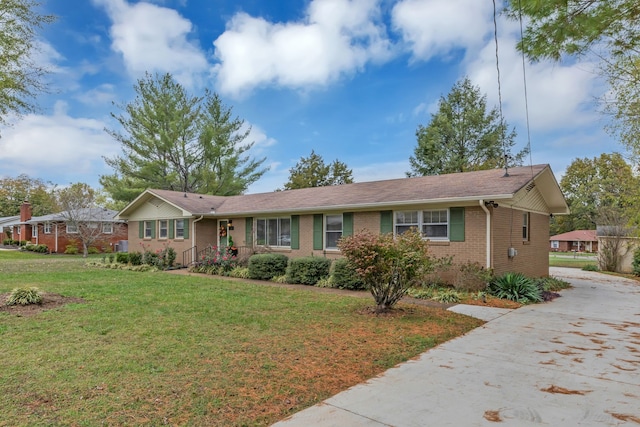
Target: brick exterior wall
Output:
[(506, 229), (532, 258), (57, 243)]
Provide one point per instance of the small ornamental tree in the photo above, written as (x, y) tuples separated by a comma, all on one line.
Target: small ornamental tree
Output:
[(388, 266)]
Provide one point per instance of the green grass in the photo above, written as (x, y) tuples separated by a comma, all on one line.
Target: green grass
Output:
[(157, 348), (569, 261)]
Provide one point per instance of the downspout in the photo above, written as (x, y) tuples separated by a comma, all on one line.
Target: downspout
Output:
[(488, 227), (193, 238)]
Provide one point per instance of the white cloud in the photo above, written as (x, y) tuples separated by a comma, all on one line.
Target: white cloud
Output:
[(559, 96), (336, 37), (58, 148), (437, 27), (155, 39)]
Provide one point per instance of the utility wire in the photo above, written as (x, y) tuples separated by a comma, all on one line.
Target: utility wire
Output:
[(524, 79)]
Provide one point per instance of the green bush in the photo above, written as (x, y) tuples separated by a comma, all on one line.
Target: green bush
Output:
[(122, 258), (636, 262), (516, 287), (447, 296), (266, 266), (344, 276), (92, 250), (10, 242), (135, 258), (239, 272), (552, 284), (24, 296), (71, 249), (592, 267), (307, 270)]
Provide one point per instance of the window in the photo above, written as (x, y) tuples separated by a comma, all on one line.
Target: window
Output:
[(148, 232), (525, 226), (555, 244), (333, 230), (107, 227), (163, 229), (72, 228), (34, 230), (179, 224), (47, 228), (434, 224), (273, 231)]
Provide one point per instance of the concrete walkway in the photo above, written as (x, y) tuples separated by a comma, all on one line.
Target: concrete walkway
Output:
[(571, 362)]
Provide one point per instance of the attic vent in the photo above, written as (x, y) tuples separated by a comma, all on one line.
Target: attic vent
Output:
[(530, 187)]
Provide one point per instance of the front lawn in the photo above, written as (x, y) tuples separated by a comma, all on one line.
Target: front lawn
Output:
[(571, 260), (163, 349)]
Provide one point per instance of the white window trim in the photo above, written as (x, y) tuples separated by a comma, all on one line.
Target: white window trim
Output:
[(165, 228), (145, 229), (175, 228), (107, 228), (34, 230), (526, 226), (278, 232), (421, 223), (46, 228), (325, 240), (74, 229)]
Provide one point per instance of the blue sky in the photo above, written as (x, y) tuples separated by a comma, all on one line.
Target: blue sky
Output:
[(350, 79)]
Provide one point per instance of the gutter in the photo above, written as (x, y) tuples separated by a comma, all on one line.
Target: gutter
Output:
[(488, 227)]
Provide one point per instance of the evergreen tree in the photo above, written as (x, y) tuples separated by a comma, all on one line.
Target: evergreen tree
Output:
[(313, 172), (463, 136), (175, 141)]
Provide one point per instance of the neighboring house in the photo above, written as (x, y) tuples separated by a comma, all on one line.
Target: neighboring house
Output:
[(497, 220), (6, 224), (577, 240), (57, 230)]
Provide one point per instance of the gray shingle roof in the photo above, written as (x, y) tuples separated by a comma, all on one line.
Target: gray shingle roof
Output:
[(486, 184)]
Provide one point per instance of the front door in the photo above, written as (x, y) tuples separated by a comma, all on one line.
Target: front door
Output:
[(222, 233)]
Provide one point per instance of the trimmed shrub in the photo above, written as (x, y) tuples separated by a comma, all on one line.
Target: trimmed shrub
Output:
[(590, 267), (122, 258), (266, 266), (344, 276), (307, 270), (135, 258), (92, 250), (515, 287), (24, 296)]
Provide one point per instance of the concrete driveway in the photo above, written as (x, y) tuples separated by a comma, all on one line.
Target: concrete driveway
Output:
[(571, 362)]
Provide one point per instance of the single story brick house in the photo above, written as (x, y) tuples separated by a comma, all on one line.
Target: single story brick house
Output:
[(498, 219), (56, 231), (576, 240)]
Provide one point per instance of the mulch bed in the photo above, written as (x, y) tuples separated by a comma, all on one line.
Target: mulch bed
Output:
[(49, 302)]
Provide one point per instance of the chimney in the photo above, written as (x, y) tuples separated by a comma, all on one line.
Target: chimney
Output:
[(25, 211)]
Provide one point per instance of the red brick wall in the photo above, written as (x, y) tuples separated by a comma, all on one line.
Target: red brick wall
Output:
[(107, 242)]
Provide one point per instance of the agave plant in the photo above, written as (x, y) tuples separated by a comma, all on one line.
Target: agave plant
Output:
[(516, 287)]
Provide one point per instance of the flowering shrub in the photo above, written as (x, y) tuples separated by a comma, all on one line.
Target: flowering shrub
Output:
[(216, 260), (388, 266)]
